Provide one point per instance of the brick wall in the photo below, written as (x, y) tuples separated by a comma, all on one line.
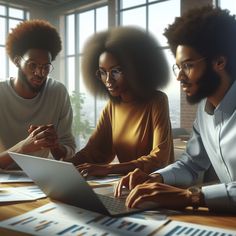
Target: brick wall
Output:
[(188, 113)]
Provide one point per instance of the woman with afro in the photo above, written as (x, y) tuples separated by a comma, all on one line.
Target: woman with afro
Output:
[(127, 65)]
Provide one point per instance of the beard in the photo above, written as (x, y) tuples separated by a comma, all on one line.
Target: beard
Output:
[(25, 81), (208, 83)]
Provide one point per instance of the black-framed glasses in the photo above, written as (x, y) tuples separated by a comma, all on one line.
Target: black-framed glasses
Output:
[(115, 73), (33, 66), (186, 66)]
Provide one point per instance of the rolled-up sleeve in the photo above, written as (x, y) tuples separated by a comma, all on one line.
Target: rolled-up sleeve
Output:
[(188, 169)]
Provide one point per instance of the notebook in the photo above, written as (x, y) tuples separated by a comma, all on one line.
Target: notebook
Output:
[(62, 181)]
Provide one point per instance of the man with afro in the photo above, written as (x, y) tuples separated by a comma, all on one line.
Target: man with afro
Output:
[(203, 42), (36, 114)]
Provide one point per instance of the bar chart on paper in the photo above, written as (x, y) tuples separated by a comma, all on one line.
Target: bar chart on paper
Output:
[(26, 193), (177, 228), (61, 219)]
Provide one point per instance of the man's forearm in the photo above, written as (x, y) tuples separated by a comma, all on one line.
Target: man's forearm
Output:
[(5, 159)]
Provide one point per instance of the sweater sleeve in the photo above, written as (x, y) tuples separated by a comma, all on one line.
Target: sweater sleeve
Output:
[(99, 148), (162, 152), (64, 126)]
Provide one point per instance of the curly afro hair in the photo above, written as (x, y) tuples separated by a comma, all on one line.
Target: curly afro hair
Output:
[(139, 55), (30, 34), (210, 31)]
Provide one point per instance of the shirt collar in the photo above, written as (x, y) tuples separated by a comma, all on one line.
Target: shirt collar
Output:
[(227, 104)]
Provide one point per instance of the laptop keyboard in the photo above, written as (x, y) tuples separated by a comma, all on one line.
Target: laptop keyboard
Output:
[(116, 205)]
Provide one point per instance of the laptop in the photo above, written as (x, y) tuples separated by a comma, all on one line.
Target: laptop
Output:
[(63, 182)]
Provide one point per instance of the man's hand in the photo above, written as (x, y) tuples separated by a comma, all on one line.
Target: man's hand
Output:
[(40, 137), (88, 169), (160, 195), (134, 178)]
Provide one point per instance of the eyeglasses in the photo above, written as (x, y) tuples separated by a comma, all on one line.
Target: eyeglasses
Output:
[(186, 66), (115, 73), (33, 66)]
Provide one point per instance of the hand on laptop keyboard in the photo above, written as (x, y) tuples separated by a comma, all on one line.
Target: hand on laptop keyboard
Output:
[(124, 193)]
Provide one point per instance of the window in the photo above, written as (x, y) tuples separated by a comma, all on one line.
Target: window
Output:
[(227, 4), (152, 16), (9, 18), (79, 26), (148, 14)]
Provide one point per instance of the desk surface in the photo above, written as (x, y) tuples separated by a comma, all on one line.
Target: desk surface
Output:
[(201, 216)]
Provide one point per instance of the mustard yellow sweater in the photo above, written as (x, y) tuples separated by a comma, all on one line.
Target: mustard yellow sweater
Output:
[(132, 131)]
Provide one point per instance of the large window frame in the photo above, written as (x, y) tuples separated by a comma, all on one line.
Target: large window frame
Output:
[(9, 18), (146, 7), (91, 106), (72, 60)]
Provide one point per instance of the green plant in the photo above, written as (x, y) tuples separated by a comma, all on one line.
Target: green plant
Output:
[(81, 127)]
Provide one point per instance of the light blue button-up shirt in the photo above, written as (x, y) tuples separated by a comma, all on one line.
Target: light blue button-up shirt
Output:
[(213, 142)]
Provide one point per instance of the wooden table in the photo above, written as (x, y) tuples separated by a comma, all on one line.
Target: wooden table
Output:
[(202, 216)]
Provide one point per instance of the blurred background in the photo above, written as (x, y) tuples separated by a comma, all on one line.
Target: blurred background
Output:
[(76, 20)]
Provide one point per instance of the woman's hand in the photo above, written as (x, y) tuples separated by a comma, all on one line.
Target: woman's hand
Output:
[(88, 169)]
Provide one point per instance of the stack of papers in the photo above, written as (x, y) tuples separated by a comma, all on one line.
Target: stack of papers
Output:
[(26, 193), (103, 181), (13, 176)]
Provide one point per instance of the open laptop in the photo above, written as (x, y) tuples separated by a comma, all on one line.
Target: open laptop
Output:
[(62, 181)]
